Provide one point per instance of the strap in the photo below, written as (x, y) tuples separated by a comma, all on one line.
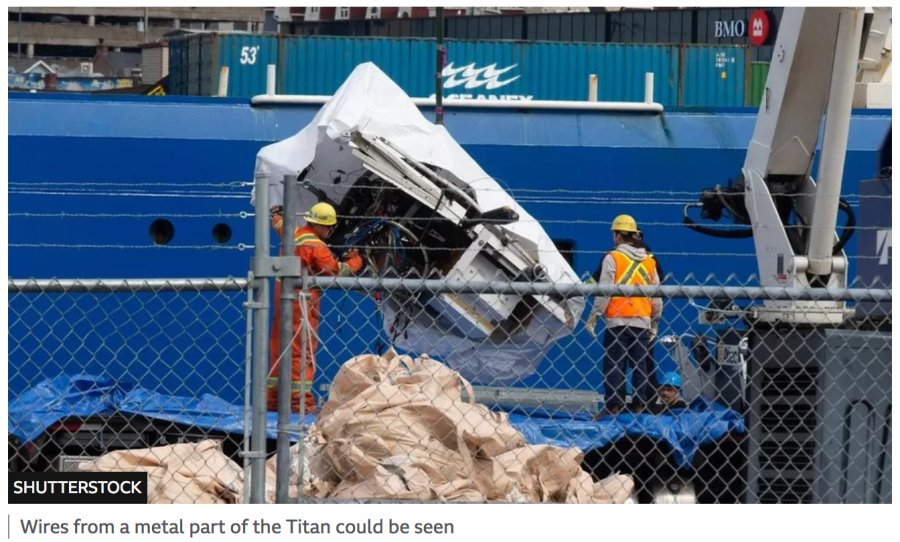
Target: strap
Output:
[(635, 266)]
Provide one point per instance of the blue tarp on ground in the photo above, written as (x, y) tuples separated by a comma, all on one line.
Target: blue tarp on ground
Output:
[(86, 395), (685, 430)]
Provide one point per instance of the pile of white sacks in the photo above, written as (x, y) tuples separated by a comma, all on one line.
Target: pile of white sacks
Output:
[(394, 427)]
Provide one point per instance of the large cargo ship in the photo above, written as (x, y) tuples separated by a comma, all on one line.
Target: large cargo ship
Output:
[(135, 187)]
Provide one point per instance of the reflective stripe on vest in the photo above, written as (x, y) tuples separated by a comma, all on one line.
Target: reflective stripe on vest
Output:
[(631, 272), (307, 239)]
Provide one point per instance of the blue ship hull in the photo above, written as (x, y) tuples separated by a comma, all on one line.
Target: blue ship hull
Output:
[(88, 176)]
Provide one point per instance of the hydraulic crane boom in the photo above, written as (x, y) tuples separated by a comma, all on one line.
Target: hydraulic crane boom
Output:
[(792, 217)]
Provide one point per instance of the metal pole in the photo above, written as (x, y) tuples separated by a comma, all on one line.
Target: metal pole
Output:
[(834, 142), (19, 41), (260, 347), (285, 347), (223, 81), (270, 80), (146, 23), (648, 87), (578, 289), (248, 387), (439, 67), (592, 87)]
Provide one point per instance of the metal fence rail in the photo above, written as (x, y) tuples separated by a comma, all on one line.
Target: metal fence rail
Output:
[(773, 413)]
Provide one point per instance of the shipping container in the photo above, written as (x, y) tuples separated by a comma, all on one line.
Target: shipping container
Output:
[(196, 59), (759, 72), (317, 65), (713, 76), (589, 27), (689, 76), (494, 27), (485, 69), (701, 26), (667, 26), (177, 66)]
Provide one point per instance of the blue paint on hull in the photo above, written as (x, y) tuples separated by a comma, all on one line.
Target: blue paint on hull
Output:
[(146, 158)]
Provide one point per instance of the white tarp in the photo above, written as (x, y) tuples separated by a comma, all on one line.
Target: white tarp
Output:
[(371, 103)]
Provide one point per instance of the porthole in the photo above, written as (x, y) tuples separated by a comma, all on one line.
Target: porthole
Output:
[(221, 233), (161, 231)]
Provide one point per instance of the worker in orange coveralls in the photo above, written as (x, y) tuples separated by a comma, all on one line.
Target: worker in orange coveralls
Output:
[(316, 259)]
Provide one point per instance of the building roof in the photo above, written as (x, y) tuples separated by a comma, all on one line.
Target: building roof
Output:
[(29, 65), (181, 32)]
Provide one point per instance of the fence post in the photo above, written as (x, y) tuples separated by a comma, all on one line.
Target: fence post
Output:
[(260, 346), (285, 345), (248, 386), (648, 87)]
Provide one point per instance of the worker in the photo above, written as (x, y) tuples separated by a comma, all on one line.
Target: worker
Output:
[(668, 394), (629, 320), (654, 329), (316, 259)]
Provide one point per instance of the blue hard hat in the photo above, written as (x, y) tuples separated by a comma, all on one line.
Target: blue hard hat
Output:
[(671, 379)]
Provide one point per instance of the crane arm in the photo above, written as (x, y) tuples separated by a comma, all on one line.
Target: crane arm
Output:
[(793, 217)]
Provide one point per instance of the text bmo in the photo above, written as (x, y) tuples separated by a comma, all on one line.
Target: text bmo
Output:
[(730, 29)]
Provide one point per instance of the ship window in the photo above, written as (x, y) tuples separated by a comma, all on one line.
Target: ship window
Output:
[(161, 231), (221, 233)]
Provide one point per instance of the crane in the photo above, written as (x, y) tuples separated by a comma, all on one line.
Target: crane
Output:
[(804, 360), (792, 216)]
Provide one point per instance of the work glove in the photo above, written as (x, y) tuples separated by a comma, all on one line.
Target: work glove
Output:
[(592, 324), (654, 330), (354, 261)]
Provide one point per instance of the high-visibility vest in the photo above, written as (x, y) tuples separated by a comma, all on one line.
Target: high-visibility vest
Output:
[(631, 272)]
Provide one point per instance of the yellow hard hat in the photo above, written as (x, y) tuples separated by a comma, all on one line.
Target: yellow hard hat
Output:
[(624, 223), (321, 213)]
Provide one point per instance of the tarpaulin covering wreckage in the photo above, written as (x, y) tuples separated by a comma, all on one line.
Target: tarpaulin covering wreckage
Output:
[(417, 205)]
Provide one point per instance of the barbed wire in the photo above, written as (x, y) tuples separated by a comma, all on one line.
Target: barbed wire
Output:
[(239, 246), (64, 214), (247, 246), (244, 214), (228, 184), (19, 185), (211, 195)]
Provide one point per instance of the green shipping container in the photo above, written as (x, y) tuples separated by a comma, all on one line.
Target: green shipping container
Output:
[(759, 72)]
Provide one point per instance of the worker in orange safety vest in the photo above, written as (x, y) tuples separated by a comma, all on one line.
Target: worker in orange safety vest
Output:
[(630, 321), (316, 259)]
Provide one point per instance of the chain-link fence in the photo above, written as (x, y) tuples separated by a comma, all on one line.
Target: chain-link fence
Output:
[(101, 366), (738, 406), (437, 389)]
